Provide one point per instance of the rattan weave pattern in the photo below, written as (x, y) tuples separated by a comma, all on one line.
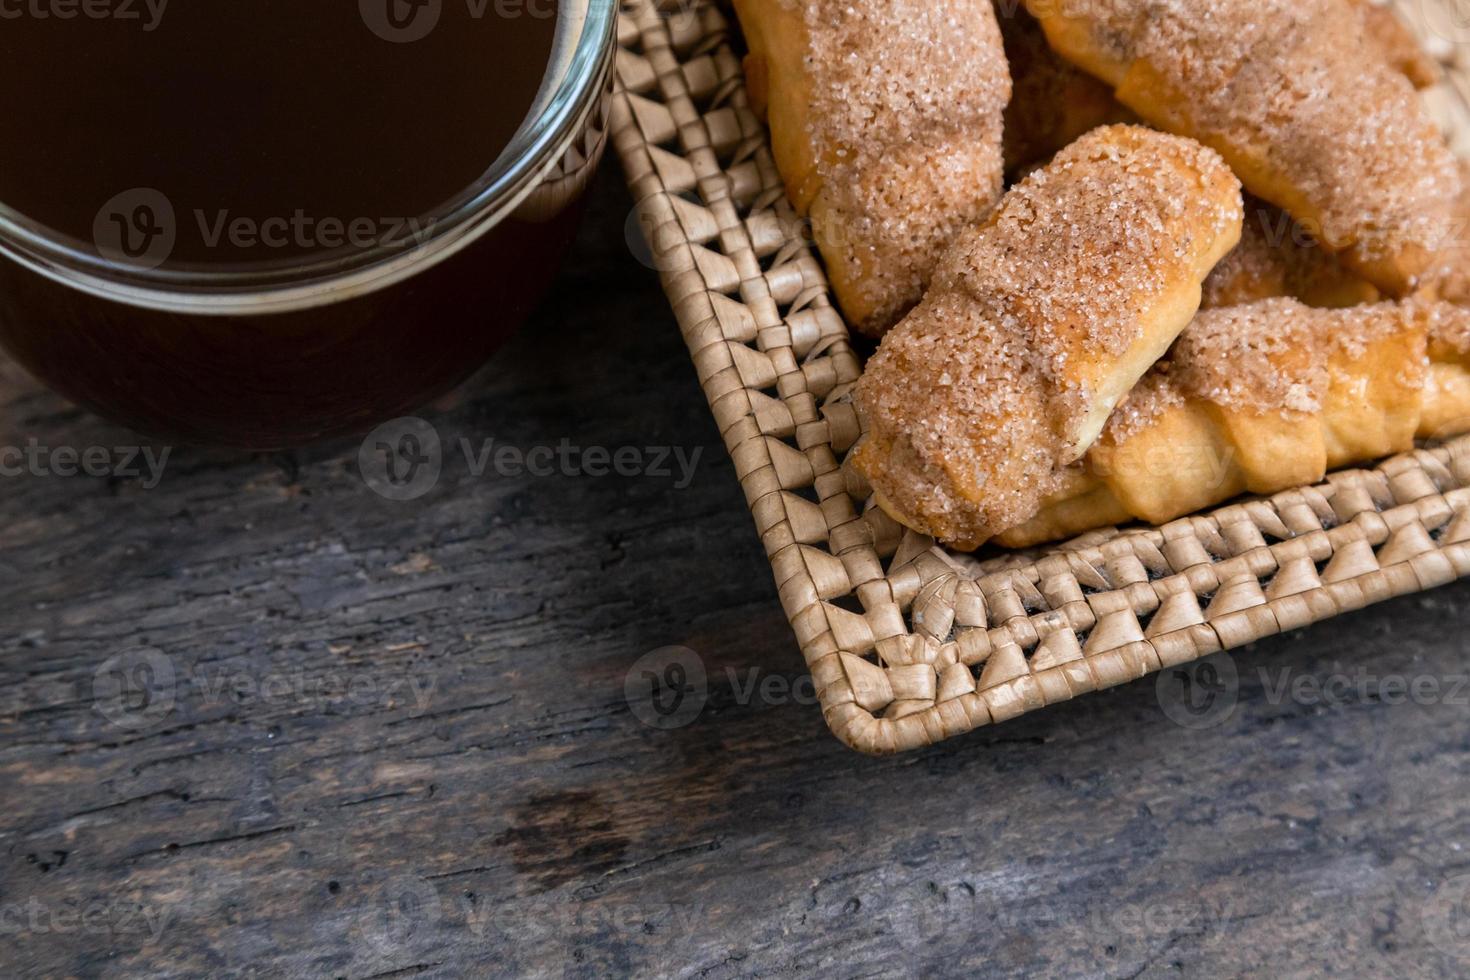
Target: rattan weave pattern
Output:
[(907, 643)]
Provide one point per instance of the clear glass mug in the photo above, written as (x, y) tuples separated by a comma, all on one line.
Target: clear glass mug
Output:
[(273, 357)]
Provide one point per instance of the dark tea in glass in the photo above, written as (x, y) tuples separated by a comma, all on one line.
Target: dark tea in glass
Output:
[(263, 223)]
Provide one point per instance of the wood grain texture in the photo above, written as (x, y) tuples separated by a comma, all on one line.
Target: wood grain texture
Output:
[(299, 809)]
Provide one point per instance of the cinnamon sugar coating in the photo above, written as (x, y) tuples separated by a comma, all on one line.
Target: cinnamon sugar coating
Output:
[(1302, 106), (885, 120), (1036, 324)]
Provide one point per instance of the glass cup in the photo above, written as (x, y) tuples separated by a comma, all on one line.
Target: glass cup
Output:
[(270, 356)]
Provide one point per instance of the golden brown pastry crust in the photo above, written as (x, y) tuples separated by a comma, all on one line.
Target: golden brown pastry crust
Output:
[(1277, 258), (1261, 398), (1036, 325), (885, 119), (1282, 90)]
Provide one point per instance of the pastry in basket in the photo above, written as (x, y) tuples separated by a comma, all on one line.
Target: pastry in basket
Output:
[(1037, 323), (1282, 88), (1264, 397), (1052, 101), (885, 119), (1276, 257)]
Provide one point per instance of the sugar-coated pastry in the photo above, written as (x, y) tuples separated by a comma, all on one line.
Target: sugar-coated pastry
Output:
[(885, 119), (1264, 397), (1037, 323), (1297, 101), (1275, 258), (1393, 40), (1053, 102)]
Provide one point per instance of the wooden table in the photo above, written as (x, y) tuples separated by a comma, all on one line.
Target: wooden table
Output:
[(392, 738)]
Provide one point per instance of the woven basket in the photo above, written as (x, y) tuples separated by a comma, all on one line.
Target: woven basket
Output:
[(908, 643)]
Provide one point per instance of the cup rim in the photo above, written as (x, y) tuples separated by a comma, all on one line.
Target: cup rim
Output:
[(332, 277)]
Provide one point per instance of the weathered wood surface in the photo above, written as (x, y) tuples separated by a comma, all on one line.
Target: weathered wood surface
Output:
[(397, 741)]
